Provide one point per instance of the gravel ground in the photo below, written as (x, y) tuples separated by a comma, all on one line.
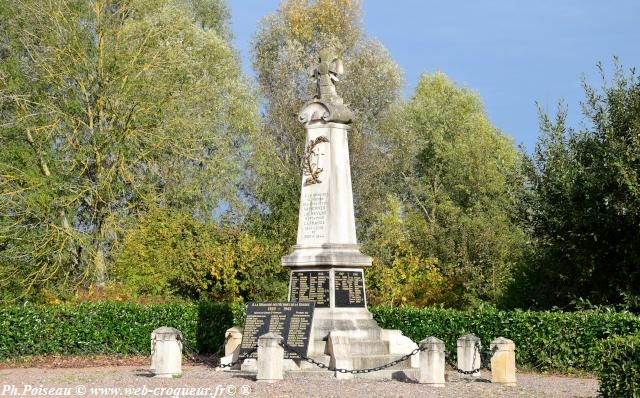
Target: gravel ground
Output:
[(124, 380)]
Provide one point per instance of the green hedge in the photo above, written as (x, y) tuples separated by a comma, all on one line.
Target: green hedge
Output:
[(544, 340), (108, 327), (565, 341), (620, 367)]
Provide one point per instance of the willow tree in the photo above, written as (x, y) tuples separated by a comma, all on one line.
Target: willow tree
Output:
[(285, 49), (110, 106)]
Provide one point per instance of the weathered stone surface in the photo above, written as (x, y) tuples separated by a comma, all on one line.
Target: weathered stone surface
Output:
[(503, 361), (234, 338), (166, 352), (232, 347), (339, 349), (468, 351), (270, 358), (432, 362), (399, 344)]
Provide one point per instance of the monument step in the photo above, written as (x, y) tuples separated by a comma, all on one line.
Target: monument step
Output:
[(344, 324), (411, 374), (372, 361), (358, 347)]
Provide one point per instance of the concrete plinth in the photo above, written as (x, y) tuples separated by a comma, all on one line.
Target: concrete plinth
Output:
[(166, 352), (432, 362), (503, 362), (468, 350), (270, 358), (339, 348)]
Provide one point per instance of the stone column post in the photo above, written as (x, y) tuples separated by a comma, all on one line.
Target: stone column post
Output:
[(469, 353), (166, 353), (270, 358), (234, 338), (503, 362), (432, 362)]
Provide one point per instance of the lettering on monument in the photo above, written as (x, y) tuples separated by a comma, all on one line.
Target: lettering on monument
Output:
[(314, 215), (310, 286), (292, 321), (349, 289)]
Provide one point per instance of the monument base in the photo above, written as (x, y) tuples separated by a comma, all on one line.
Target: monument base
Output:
[(368, 346)]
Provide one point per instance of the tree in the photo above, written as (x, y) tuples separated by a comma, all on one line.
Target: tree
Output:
[(170, 253), (109, 107), (583, 202), (285, 48), (457, 178), (399, 275)]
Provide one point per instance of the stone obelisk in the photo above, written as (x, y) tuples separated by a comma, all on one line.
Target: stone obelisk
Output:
[(326, 264)]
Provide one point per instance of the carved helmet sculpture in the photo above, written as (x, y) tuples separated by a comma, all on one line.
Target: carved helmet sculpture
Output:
[(326, 74), (326, 105)]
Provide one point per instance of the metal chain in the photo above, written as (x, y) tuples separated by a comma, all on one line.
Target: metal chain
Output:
[(192, 354), (352, 371), (237, 361), (484, 361)]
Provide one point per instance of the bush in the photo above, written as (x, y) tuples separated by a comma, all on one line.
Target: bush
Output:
[(109, 327), (620, 367), (544, 340), (563, 341)]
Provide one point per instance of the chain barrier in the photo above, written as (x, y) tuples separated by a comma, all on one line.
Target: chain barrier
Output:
[(193, 354), (352, 371), (484, 361)]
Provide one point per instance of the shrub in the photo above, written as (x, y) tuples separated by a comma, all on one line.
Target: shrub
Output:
[(544, 340), (109, 327), (620, 367), (564, 341)]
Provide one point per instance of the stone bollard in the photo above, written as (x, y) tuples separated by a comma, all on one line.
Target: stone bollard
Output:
[(432, 362), (339, 347), (469, 353), (232, 347), (166, 352), (270, 358), (503, 362), (234, 338)]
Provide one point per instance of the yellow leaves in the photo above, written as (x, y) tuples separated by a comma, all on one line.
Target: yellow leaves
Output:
[(305, 19)]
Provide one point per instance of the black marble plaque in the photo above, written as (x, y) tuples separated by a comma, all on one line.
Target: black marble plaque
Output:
[(349, 289), (292, 321), (310, 286)]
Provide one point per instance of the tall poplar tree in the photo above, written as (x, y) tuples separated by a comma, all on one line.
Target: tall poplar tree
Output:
[(285, 49)]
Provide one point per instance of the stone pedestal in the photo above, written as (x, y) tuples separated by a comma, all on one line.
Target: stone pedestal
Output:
[(166, 352), (503, 362), (432, 362), (270, 358), (469, 353), (326, 264)]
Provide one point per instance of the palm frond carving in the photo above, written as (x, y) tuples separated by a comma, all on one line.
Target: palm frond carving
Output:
[(310, 161)]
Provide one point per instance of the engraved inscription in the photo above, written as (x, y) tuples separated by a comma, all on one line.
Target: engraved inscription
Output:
[(349, 289), (310, 286), (292, 321), (314, 215)]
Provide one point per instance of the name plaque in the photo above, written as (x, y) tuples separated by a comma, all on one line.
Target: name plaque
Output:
[(310, 286), (292, 321), (349, 290)]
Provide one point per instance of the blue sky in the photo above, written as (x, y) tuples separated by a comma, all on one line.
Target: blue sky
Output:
[(512, 53)]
